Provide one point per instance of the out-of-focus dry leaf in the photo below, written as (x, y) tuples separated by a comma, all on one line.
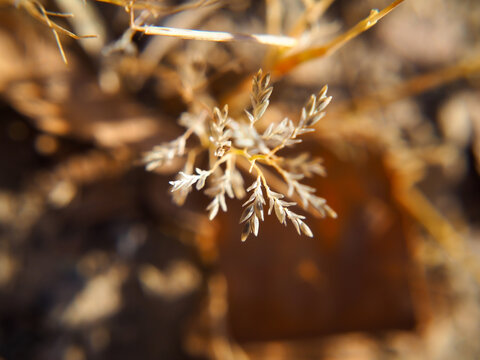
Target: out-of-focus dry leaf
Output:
[(178, 280), (100, 298)]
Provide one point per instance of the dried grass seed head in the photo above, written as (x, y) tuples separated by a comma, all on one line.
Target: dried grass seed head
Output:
[(234, 143)]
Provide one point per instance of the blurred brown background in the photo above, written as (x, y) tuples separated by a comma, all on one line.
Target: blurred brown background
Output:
[(96, 262)]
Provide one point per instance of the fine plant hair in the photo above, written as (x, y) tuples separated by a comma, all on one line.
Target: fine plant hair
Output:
[(234, 144)]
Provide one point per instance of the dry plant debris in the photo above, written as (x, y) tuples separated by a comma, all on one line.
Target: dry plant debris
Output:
[(38, 11), (233, 143), (396, 169)]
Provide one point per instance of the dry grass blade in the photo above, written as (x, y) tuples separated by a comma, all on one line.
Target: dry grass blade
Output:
[(286, 64), (312, 12), (37, 10), (157, 8), (218, 36), (410, 87)]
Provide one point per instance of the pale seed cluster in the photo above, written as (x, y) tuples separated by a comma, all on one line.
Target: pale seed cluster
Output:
[(234, 144)]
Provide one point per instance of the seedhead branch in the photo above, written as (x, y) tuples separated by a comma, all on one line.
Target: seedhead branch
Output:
[(231, 142)]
